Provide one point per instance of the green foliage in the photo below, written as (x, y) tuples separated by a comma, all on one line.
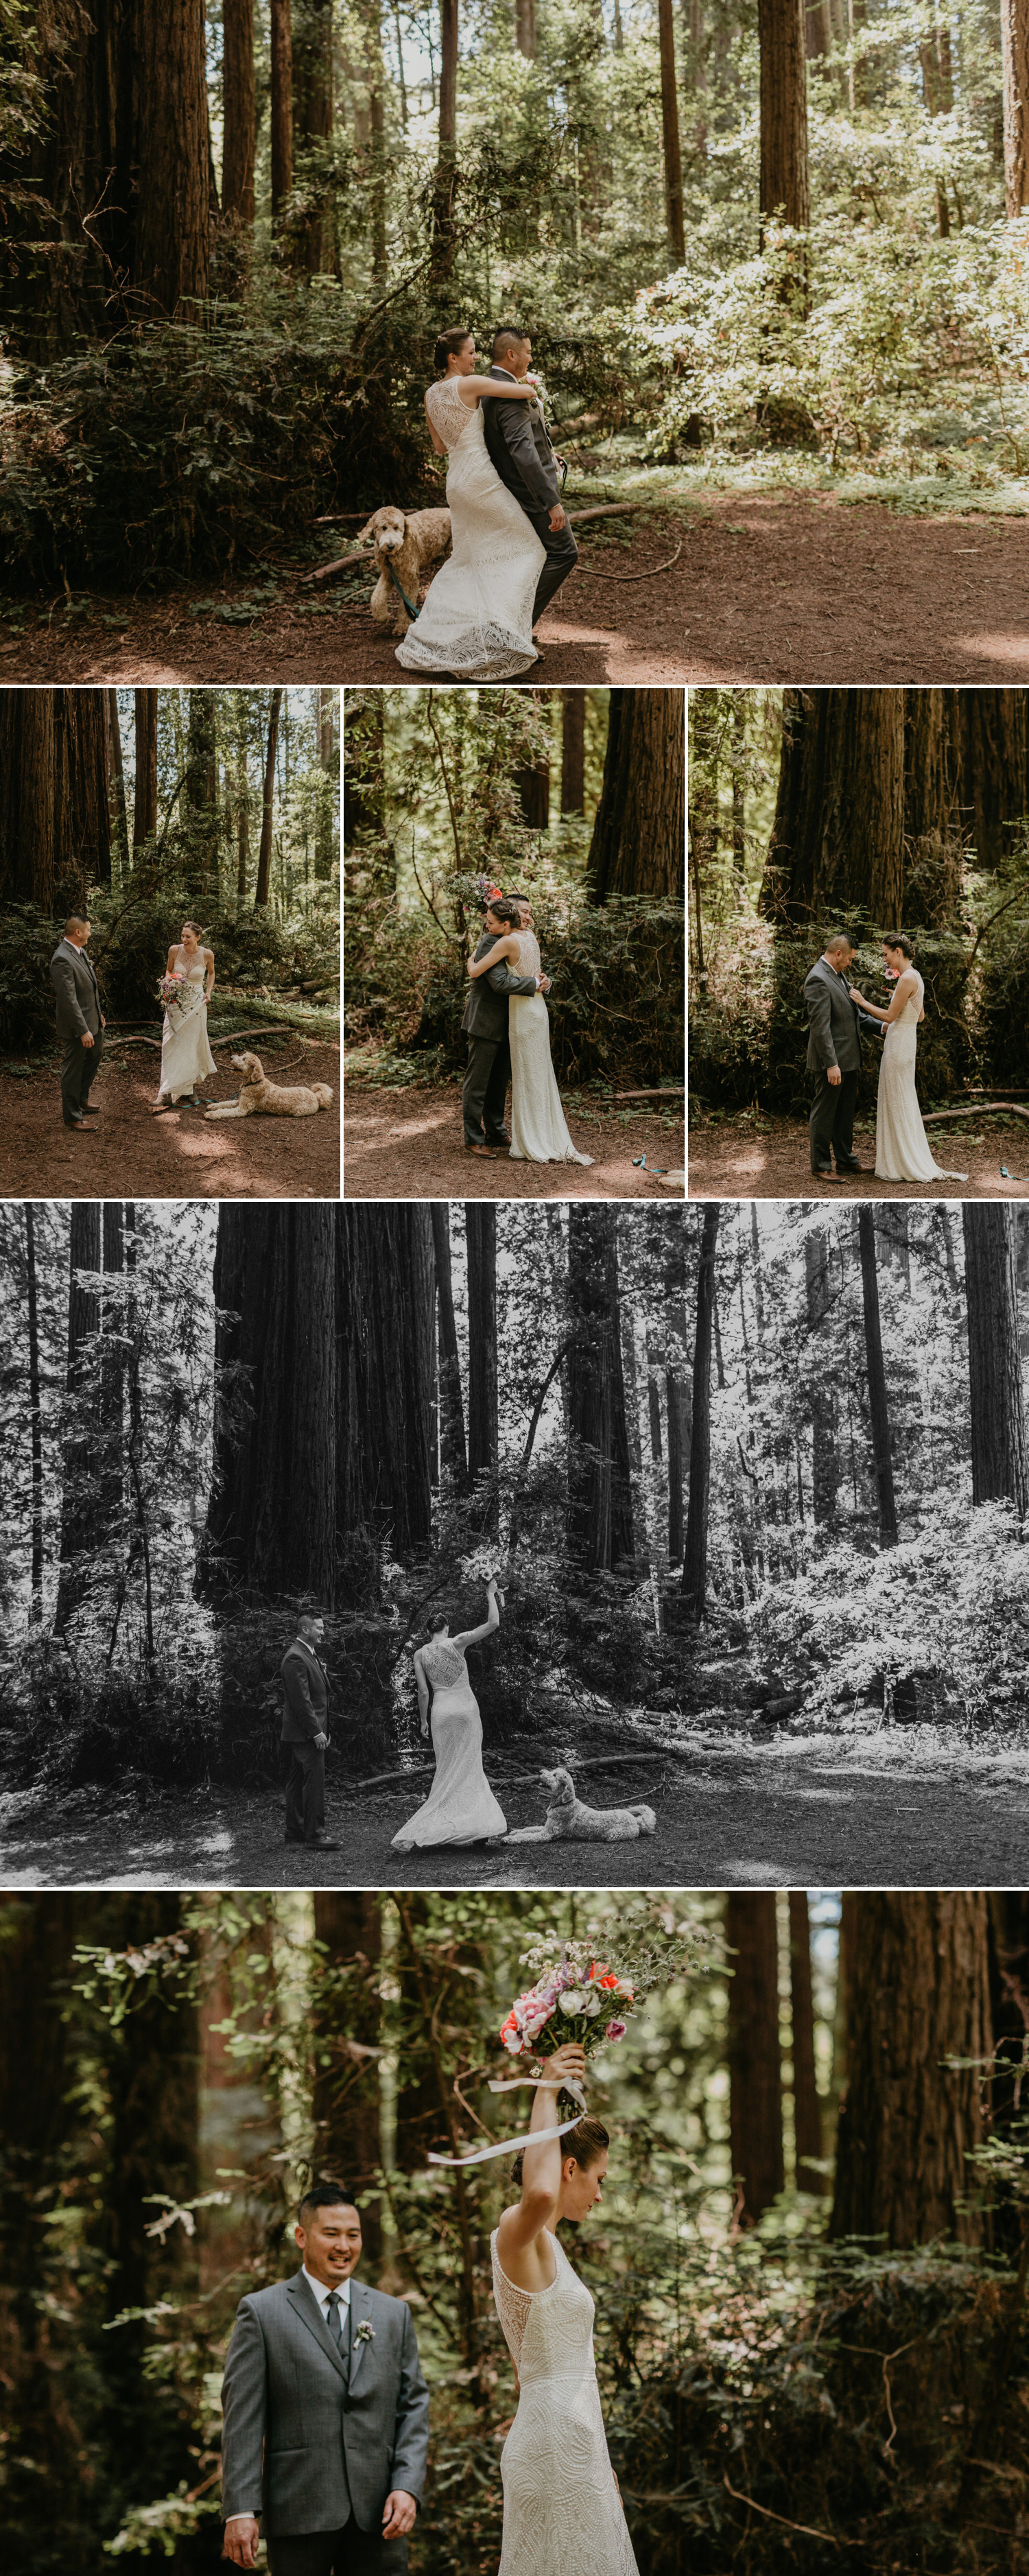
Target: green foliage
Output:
[(749, 1028)]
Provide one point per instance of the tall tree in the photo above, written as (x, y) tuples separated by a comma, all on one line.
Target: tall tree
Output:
[(452, 1441), (878, 1402), (35, 1413), (281, 106), (201, 787), (837, 841), (116, 786), (573, 750), (238, 111), (600, 1518), (525, 28), (638, 844), (328, 763), (312, 117), (755, 2058), (483, 1423), (443, 224), (919, 2002), (785, 180), (825, 1457), (347, 2036), (271, 1524), (807, 2107), (55, 831), (144, 815), (1000, 1456), (670, 133), (264, 857), (385, 1299), (694, 1565), (173, 227), (242, 801), (1014, 35), (990, 732), (78, 1521), (111, 1386)]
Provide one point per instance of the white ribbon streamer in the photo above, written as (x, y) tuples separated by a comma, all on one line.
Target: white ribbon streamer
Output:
[(531, 2137)]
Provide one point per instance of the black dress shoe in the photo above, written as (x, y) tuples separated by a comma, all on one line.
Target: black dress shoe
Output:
[(323, 1842), (294, 1838)]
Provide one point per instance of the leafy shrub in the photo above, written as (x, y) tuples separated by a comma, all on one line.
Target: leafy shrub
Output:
[(129, 948), (748, 1036)]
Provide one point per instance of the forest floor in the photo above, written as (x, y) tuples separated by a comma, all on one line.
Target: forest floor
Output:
[(766, 587), (822, 1813), (409, 1143), (132, 1154), (769, 1158)]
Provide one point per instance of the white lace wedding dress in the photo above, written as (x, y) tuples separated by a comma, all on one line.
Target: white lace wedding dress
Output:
[(901, 1145), (539, 1131), (477, 619), (186, 1057), (460, 1807), (562, 2509)]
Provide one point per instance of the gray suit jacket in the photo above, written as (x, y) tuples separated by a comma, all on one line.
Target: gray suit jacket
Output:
[(518, 441), (78, 1001), (485, 1013), (304, 2439), (835, 1035), (306, 1685)]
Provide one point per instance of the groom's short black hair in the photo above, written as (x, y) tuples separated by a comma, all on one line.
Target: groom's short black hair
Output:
[(509, 336), (326, 2195)]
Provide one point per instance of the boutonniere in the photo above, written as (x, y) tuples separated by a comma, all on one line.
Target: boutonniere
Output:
[(365, 2332)]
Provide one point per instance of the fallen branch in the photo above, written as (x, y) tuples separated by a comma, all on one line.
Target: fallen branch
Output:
[(979, 1109), (805, 2527), (332, 571), (659, 1091), (274, 1030), (600, 510), (596, 572), (606, 510)]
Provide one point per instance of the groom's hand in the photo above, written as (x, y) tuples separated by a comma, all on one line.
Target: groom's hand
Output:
[(321, 1742), (834, 1073), (87, 1039), (241, 2539), (557, 518), (399, 2514)]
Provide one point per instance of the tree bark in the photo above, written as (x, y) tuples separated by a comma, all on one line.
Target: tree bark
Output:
[(238, 111), (345, 2103), (144, 810), (919, 1995), (386, 1299), (600, 1518), (1014, 37), (1000, 1459), (670, 134), (264, 856), (452, 1442), (35, 1416), (443, 226), (878, 1403), (785, 182), (281, 110), (525, 28), (807, 2107), (116, 787), (674, 1396), (837, 840), (483, 1421), (573, 751), (312, 114), (638, 844), (755, 2063), (991, 747), (328, 763), (271, 1523), (173, 225), (242, 802), (79, 1443), (111, 1389), (825, 1460), (201, 788), (694, 1566)]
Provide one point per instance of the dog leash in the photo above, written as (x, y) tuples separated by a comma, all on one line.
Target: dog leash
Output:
[(411, 611)]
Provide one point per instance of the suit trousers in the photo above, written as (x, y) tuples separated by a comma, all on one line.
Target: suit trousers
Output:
[(484, 1091), (305, 1794), (562, 554), (350, 2552), (832, 1120), (79, 1065)]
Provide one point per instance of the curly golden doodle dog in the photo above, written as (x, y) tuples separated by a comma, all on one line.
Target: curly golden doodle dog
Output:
[(569, 1821), (411, 545), (278, 1100)]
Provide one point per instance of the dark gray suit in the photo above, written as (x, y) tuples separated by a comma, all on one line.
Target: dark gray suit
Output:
[(518, 440), (315, 2436), (834, 1039), (78, 1008), (306, 1714), (489, 1054)]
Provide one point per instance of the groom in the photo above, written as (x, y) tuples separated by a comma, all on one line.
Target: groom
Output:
[(485, 1024), (518, 442), (325, 2412), (834, 1055), (80, 1022), (305, 1721)]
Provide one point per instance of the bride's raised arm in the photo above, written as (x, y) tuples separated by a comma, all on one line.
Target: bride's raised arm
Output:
[(494, 956), (472, 388), (472, 1636), (541, 2166)]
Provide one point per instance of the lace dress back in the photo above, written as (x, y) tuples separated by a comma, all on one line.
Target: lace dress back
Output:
[(539, 1128), (561, 2505), (451, 417), (445, 1665), (901, 1145), (460, 1807)]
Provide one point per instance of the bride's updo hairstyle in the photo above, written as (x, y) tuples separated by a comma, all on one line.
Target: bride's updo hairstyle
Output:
[(449, 345), (194, 926), (896, 939), (503, 909), (586, 2142)]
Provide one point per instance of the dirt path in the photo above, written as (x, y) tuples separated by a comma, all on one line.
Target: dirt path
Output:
[(131, 1154), (410, 1144), (732, 1159), (792, 1819), (765, 588)]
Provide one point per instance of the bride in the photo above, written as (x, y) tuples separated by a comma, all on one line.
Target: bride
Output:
[(539, 1132), (477, 619), (186, 1057), (901, 1145), (562, 2508), (460, 1807)]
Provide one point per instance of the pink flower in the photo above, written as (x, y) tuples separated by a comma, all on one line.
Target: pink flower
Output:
[(615, 2029)]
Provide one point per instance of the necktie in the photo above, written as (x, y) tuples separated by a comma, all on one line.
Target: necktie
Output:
[(335, 2320)]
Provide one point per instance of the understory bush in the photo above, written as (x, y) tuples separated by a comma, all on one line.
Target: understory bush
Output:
[(749, 1029), (129, 947)]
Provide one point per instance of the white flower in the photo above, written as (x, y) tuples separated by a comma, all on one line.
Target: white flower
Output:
[(573, 2000), (365, 2333)]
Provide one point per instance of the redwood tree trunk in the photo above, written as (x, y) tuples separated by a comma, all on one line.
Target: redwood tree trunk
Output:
[(452, 1441), (172, 234), (446, 161), (385, 1302), (1014, 37), (35, 1414), (79, 1445), (600, 1522), (807, 2108), (878, 1403), (281, 108), (670, 133), (238, 115), (991, 746), (785, 183), (918, 1995), (639, 831), (694, 1566), (271, 1524), (837, 840), (1000, 1459), (573, 750), (483, 1423), (755, 2063), (264, 856), (312, 112), (116, 785), (345, 2105), (144, 816)]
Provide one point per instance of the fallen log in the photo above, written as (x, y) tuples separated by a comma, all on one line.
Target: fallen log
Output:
[(275, 1029), (658, 1091), (981, 1109), (345, 563)]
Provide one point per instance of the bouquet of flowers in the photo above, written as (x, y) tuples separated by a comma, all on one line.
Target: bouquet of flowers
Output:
[(175, 994), (574, 1997)]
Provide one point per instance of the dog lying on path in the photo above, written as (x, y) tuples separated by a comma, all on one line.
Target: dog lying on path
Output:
[(569, 1821), (410, 545), (279, 1100)]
